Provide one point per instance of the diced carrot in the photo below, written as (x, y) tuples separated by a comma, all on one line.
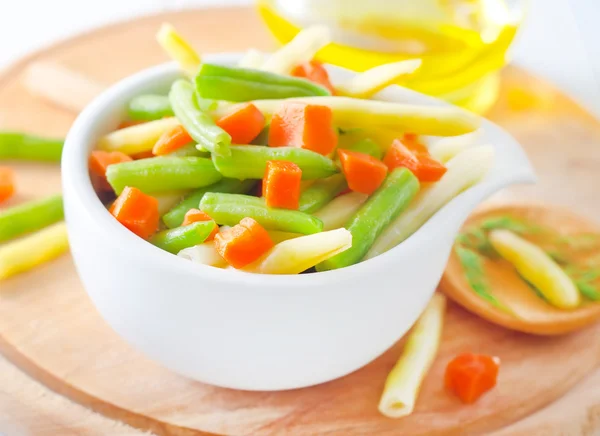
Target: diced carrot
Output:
[(136, 211), (363, 172), (469, 375), (243, 243), (315, 72), (195, 215), (281, 184), (129, 123), (98, 163), (173, 139), (411, 141), (142, 155), (243, 124), (422, 165), (7, 183), (303, 125)]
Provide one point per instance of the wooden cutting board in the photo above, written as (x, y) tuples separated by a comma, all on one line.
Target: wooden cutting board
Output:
[(50, 329)]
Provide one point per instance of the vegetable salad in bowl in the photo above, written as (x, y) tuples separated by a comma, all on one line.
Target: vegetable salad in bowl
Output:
[(269, 167)]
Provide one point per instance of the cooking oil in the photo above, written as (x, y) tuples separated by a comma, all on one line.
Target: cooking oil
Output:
[(462, 43)]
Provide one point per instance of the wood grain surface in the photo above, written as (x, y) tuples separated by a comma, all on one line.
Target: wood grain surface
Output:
[(50, 330)]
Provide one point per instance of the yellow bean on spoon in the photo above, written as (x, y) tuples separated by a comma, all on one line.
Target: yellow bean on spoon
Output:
[(519, 307)]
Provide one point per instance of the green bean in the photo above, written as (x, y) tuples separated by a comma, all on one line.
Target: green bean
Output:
[(241, 84), (394, 195), (22, 146), (175, 240), (240, 199), (250, 162), (29, 217), (367, 146), (321, 192), (188, 150), (198, 123), (160, 174), (227, 212), (175, 216), (149, 107)]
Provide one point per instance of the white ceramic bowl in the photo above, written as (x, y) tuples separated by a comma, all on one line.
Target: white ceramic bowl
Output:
[(245, 331)]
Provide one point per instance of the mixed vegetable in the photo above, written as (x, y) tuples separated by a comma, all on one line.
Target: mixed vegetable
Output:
[(269, 167)]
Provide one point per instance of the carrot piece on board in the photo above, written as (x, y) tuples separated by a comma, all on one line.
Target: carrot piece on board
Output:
[(195, 215), (243, 243), (281, 184), (363, 172), (173, 139), (303, 125), (136, 211), (469, 375), (99, 161), (315, 72), (7, 183), (243, 124), (422, 165)]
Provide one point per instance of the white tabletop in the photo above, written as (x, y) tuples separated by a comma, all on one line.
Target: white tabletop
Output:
[(558, 40)]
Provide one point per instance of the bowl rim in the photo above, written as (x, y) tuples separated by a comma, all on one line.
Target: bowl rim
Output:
[(74, 167)]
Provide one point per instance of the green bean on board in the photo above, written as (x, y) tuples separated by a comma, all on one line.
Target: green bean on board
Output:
[(23, 146), (31, 216)]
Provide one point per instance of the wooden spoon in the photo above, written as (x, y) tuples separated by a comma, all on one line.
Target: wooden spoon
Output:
[(530, 313)]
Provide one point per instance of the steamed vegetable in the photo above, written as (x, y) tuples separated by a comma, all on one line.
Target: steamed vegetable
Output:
[(354, 112), (302, 125), (176, 215), (363, 172), (178, 48), (29, 217), (244, 123), (136, 211), (172, 140), (403, 382), (138, 138), (149, 107), (469, 375), (163, 174), (299, 50), (196, 215), (22, 146), (243, 243), (198, 124), (225, 211), (299, 254), (175, 240), (315, 72), (339, 211), (281, 184), (205, 254), (417, 160), (320, 193), (535, 266), (250, 162), (33, 250), (465, 170), (374, 216), (370, 82), (220, 82)]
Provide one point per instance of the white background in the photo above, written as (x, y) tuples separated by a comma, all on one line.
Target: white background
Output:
[(560, 39)]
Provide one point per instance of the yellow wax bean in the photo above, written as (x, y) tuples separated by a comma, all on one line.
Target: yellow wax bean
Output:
[(535, 266), (370, 82), (403, 382), (178, 49), (136, 139)]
